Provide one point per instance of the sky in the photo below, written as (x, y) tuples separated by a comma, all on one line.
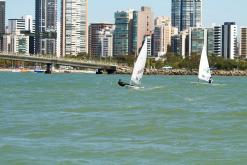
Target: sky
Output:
[(214, 11)]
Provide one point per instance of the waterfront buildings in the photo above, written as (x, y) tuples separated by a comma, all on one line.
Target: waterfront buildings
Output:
[(123, 35), (96, 29), (162, 36), (29, 23), (131, 29), (196, 40), (149, 45), (2, 22), (243, 42), (26, 23), (74, 27), (186, 13), (217, 40), (134, 34), (105, 37), (19, 36), (210, 41), (180, 43), (58, 39), (2, 16), (145, 25), (229, 40), (16, 43), (45, 27), (174, 31)]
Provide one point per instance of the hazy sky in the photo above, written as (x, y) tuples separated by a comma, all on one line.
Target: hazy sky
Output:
[(214, 11)]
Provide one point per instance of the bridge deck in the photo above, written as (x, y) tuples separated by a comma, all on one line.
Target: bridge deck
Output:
[(60, 61)]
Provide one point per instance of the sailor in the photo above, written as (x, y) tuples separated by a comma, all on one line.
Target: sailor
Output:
[(121, 83), (210, 81)]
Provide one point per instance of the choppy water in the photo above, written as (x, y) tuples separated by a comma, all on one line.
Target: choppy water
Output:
[(74, 119)]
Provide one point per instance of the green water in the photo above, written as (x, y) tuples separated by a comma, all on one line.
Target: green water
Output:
[(74, 119)]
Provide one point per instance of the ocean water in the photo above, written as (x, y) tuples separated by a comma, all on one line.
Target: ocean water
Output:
[(74, 119)]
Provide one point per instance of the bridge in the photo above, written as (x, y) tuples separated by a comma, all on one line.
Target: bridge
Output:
[(54, 61)]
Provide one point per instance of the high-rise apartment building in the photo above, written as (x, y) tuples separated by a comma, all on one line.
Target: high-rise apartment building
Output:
[(229, 40), (29, 23), (145, 25), (15, 25), (180, 43), (16, 43), (210, 41), (131, 29), (105, 37), (26, 23), (186, 14), (45, 27), (217, 40), (197, 40), (94, 43), (2, 16), (134, 33), (162, 35), (74, 27), (243, 42), (123, 34), (2, 22), (149, 45)]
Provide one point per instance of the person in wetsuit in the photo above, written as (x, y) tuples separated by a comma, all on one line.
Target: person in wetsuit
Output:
[(121, 83), (210, 81)]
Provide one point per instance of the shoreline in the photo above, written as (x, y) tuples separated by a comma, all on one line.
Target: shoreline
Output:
[(182, 72), (128, 70)]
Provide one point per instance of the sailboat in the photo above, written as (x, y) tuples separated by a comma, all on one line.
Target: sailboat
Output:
[(204, 70), (138, 70)]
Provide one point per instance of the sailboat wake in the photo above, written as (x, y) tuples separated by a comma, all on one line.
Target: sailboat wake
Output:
[(154, 88), (205, 83)]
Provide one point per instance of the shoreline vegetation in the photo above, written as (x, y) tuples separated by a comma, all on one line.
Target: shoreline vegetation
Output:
[(182, 72), (175, 64)]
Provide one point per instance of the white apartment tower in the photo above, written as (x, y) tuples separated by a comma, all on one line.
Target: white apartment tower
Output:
[(74, 27), (16, 43), (26, 23), (105, 37), (243, 44), (162, 35), (29, 23)]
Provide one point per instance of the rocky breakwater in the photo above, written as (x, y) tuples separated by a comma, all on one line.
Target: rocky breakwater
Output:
[(230, 73), (124, 70), (128, 70), (169, 72)]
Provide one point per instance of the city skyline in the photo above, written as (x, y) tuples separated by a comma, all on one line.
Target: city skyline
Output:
[(210, 10)]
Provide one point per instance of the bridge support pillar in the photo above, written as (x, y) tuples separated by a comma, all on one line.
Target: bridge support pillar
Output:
[(110, 71), (48, 68)]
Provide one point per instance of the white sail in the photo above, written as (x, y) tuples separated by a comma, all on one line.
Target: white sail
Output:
[(204, 70), (139, 65)]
